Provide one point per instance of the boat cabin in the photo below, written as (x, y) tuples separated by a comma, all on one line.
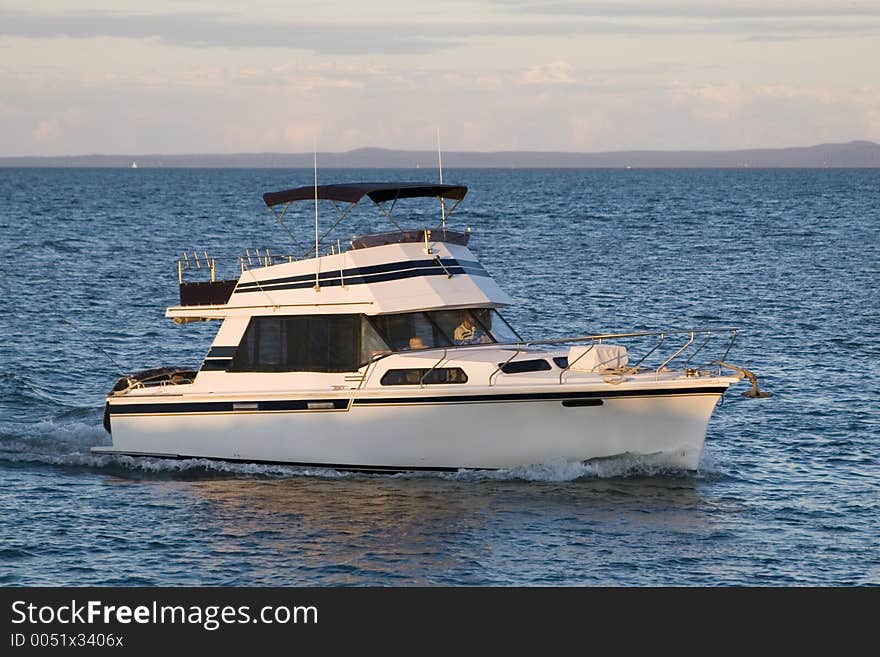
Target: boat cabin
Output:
[(337, 310)]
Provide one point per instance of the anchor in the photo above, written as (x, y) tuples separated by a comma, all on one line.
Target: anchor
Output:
[(755, 392)]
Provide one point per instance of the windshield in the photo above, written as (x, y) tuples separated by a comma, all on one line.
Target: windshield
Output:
[(443, 328)]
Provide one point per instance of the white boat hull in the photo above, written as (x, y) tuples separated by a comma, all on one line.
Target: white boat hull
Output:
[(417, 434)]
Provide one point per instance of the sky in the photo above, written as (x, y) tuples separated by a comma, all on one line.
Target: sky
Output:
[(225, 76)]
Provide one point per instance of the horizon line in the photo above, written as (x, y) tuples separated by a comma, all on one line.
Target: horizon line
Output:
[(459, 151)]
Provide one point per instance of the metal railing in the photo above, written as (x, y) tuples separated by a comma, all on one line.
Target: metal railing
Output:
[(198, 260), (533, 347)]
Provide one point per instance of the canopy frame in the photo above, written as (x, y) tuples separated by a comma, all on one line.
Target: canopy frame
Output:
[(379, 193)]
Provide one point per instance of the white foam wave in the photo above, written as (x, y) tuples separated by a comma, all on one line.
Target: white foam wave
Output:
[(159, 465), (51, 435), (626, 465), (68, 443)]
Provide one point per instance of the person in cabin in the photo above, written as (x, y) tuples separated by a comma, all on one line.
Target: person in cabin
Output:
[(416, 342), (468, 332)]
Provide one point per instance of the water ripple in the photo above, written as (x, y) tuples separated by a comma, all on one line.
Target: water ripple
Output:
[(786, 493)]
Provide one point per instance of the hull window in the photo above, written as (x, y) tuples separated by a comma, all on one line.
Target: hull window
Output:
[(419, 376), (522, 366)]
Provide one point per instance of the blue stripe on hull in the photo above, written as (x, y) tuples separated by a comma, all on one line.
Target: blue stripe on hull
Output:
[(341, 404)]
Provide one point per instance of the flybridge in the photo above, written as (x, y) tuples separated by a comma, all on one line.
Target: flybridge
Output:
[(424, 255)]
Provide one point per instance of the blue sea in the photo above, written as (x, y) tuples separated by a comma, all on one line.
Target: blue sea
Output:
[(788, 489)]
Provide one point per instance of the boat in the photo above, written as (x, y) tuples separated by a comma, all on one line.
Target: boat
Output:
[(391, 354)]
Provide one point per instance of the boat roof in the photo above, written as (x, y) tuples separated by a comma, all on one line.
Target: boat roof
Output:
[(354, 192)]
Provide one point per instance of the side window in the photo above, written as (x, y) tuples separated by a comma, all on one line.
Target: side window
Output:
[(333, 343), (522, 366), (270, 346), (319, 343), (395, 329), (372, 344), (413, 376)]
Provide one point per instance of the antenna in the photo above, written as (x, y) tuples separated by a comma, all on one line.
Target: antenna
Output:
[(317, 261), (440, 163)]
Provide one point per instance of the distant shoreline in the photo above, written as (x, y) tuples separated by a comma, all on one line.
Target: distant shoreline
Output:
[(854, 154)]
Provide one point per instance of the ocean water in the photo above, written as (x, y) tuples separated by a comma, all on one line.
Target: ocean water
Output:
[(787, 492)]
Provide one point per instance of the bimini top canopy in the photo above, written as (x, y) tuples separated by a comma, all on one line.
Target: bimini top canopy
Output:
[(378, 192)]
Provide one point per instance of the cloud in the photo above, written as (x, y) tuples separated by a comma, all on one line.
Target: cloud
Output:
[(212, 29), (766, 112), (401, 37), (694, 9), (712, 102), (47, 130), (558, 72)]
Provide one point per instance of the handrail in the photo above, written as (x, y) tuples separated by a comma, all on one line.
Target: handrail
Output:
[(733, 333), (448, 352), (425, 375), (699, 349), (568, 365), (501, 365), (675, 355), (196, 261), (580, 338), (662, 337)]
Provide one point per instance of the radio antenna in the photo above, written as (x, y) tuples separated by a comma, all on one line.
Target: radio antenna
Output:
[(440, 165), (317, 261)]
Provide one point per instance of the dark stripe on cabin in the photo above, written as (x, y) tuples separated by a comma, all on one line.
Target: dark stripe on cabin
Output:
[(222, 352), (373, 269), (363, 275), (216, 365)]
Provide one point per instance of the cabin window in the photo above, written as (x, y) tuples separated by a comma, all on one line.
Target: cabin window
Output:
[(416, 376), (498, 327), (463, 326), (372, 344), (443, 328), (561, 362), (522, 366), (317, 343), (410, 331)]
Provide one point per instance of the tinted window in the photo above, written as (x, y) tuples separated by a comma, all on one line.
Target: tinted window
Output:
[(498, 326), (520, 366), (443, 328), (463, 326), (320, 343), (410, 331), (413, 376)]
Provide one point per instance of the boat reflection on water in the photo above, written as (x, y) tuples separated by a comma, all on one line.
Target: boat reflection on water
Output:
[(431, 530)]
